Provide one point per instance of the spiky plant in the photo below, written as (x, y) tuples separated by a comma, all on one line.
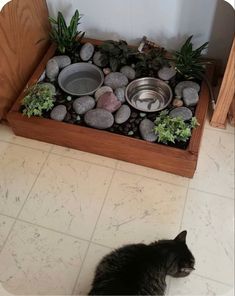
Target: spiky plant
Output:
[(66, 37), (188, 61)]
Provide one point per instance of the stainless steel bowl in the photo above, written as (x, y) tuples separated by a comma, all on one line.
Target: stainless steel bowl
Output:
[(81, 79), (149, 94)]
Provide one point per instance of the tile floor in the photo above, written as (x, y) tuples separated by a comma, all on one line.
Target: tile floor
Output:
[(62, 210)]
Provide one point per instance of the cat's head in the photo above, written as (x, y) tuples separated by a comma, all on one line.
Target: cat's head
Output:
[(180, 261)]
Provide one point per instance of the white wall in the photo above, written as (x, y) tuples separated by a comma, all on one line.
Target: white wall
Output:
[(167, 22)]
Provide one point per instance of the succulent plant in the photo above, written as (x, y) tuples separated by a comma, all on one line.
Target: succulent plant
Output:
[(170, 129), (66, 37), (38, 98)]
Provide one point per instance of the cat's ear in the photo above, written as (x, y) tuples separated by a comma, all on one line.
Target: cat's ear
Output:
[(181, 237)]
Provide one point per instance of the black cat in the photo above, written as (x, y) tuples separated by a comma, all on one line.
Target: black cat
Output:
[(141, 269)]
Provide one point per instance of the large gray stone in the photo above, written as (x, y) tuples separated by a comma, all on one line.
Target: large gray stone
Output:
[(123, 114), (98, 59), (185, 84), (129, 72), (183, 112), (99, 118), (83, 105), (146, 130), (120, 94), (58, 113), (87, 51), (166, 73), (52, 69), (109, 102), (62, 61), (190, 97), (116, 80), (102, 91)]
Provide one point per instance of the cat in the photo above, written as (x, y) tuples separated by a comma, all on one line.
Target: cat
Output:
[(141, 269)]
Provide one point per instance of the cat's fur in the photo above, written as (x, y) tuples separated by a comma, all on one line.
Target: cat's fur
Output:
[(141, 269)]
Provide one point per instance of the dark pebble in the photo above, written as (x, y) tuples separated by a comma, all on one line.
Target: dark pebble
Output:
[(67, 117), (134, 115)]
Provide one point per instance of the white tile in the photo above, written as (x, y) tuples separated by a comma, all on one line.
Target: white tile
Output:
[(37, 261), (5, 227), (215, 171), (6, 134), (139, 209), (94, 256), (68, 196), (19, 167), (228, 129), (209, 220), (89, 157), (198, 286)]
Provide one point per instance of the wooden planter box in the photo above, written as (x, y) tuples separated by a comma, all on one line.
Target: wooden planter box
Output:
[(172, 160)]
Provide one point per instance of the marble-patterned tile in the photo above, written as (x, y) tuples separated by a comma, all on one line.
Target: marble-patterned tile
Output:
[(209, 220), (93, 257), (89, 157), (139, 209), (228, 129), (68, 196), (6, 134), (151, 173), (215, 171), (198, 286), (5, 227), (19, 167), (38, 261)]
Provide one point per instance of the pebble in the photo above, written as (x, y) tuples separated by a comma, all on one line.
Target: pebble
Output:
[(190, 97), (69, 98), (123, 114), (52, 70), (166, 73), (185, 84), (142, 114), (107, 71), (177, 103), (183, 112), (146, 130), (102, 91), (131, 133), (120, 94), (99, 118), (50, 86), (83, 105), (109, 102), (129, 72), (59, 113), (62, 61), (98, 60), (116, 80), (87, 51)]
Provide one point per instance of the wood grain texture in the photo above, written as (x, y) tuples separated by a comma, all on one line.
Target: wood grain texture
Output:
[(24, 31), (231, 113), (172, 160), (226, 93)]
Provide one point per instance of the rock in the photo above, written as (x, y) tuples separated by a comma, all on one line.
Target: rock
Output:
[(190, 97), (52, 69), (109, 102), (129, 72), (99, 118), (59, 113), (123, 114), (166, 73), (107, 71), (142, 114), (183, 112), (50, 86), (98, 59), (69, 98), (87, 51), (83, 105), (131, 133), (185, 84), (146, 130), (102, 91), (177, 103), (116, 80), (62, 61), (120, 94)]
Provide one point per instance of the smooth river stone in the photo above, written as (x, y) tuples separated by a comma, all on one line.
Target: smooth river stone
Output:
[(98, 59), (109, 102), (183, 112), (190, 97), (83, 105), (123, 114), (102, 91), (120, 94), (128, 72), (62, 61), (87, 51), (59, 113), (166, 73), (116, 80), (177, 103), (146, 130), (185, 84), (52, 69), (99, 118)]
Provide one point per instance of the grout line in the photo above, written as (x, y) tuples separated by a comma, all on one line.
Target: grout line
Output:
[(219, 130), (24, 146), (212, 193), (211, 279), (184, 208)]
